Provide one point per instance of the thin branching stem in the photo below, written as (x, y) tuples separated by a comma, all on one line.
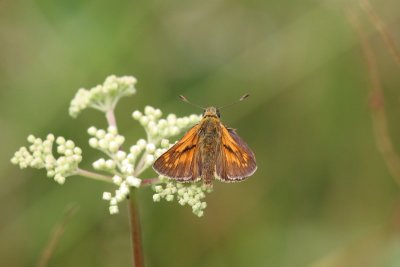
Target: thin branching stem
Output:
[(149, 181), (93, 175), (111, 118), (141, 165)]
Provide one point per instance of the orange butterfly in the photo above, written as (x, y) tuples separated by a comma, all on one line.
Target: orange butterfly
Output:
[(208, 150)]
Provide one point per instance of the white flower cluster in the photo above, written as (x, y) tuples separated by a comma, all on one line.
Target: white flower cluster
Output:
[(121, 164), (103, 97), (157, 128), (108, 142), (126, 167), (40, 155), (191, 195), (122, 192)]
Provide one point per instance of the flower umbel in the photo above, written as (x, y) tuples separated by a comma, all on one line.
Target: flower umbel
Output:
[(103, 97), (158, 128), (191, 195), (127, 166), (123, 167), (39, 155)]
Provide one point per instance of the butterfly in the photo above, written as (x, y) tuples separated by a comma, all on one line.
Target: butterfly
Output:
[(208, 151)]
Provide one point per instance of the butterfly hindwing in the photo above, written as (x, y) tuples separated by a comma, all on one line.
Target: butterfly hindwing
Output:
[(235, 160), (181, 161)]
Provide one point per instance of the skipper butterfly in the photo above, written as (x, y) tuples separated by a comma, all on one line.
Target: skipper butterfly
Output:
[(208, 150)]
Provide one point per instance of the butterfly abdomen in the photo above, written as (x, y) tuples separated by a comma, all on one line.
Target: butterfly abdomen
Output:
[(209, 142)]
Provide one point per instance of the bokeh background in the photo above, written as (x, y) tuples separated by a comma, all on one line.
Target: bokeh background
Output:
[(323, 195)]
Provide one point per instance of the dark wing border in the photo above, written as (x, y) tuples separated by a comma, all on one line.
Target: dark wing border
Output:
[(181, 162), (236, 161)]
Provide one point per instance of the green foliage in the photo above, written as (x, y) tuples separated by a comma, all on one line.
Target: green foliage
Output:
[(322, 194)]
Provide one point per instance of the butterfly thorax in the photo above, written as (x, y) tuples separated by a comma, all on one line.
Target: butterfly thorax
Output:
[(209, 143)]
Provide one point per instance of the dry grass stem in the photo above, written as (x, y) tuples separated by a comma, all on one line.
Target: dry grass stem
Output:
[(55, 237), (381, 27), (376, 97)]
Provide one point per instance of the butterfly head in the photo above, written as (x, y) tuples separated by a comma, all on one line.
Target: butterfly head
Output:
[(211, 112)]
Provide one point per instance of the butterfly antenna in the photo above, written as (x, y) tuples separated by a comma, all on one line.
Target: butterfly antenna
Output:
[(240, 99), (184, 99)]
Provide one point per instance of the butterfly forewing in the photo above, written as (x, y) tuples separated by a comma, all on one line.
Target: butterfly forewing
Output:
[(181, 161), (235, 160)]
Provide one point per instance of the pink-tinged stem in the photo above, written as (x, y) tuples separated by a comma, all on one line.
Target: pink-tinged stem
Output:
[(149, 181), (136, 239), (111, 118)]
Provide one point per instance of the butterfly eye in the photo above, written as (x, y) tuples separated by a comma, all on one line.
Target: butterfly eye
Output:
[(218, 114)]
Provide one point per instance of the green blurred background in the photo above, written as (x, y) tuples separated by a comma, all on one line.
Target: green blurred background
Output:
[(322, 195)]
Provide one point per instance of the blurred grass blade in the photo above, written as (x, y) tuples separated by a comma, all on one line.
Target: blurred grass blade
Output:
[(381, 27), (56, 235)]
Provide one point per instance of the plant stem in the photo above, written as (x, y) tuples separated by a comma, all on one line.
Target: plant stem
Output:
[(137, 251), (140, 166), (149, 181), (111, 118), (93, 175), (136, 240), (381, 27), (55, 237), (379, 117)]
